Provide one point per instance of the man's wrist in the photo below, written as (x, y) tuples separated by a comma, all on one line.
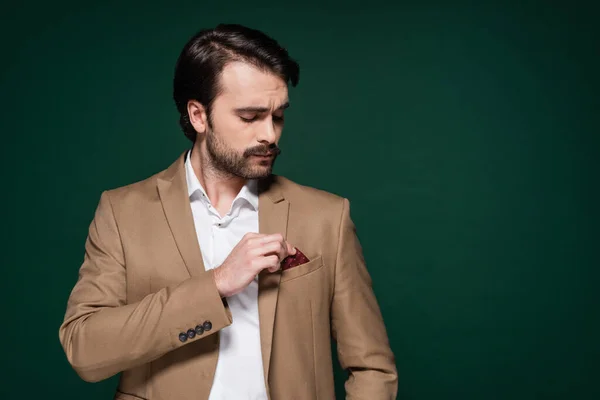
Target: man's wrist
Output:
[(216, 274)]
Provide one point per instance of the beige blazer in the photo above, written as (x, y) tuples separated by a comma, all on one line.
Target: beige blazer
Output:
[(142, 283)]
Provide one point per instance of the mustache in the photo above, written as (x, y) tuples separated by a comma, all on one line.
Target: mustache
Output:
[(262, 150)]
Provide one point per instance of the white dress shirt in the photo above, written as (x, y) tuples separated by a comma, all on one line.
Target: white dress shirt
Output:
[(239, 373)]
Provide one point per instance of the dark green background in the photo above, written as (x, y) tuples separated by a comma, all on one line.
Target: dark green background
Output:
[(464, 134)]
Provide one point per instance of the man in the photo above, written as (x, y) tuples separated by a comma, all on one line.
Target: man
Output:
[(216, 279)]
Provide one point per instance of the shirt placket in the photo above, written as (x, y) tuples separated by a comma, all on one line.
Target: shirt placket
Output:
[(218, 225)]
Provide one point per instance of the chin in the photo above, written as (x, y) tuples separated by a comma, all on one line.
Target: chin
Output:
[(259, 173), (259, 170)]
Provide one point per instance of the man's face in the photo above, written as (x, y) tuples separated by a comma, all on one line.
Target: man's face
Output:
[(247, 121)]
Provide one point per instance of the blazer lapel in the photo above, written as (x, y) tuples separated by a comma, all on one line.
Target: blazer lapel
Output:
[(272, 218), (172, 189)]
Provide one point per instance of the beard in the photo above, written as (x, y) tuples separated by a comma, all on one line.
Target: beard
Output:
[(226, 160)]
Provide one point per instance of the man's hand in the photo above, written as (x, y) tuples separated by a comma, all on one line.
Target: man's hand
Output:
[(251, 255)]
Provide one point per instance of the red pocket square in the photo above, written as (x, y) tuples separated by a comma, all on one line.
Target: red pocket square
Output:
[(292, 261)]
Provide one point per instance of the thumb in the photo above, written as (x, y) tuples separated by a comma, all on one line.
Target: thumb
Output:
[(291, 249), (273, 269)]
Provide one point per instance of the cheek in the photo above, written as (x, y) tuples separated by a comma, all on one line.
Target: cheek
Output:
[(227, 125), (233, 131)]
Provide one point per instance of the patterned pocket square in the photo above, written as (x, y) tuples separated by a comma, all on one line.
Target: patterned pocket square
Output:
[(292, 261)]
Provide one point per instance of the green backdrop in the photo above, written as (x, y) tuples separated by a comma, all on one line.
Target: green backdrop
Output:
[(465, 135)]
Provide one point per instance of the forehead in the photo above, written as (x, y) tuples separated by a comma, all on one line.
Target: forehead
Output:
[(245, 84)]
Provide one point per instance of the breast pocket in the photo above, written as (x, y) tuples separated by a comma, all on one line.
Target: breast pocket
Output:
[(301, 270)]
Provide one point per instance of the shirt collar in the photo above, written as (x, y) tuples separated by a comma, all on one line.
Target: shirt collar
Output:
[(249, 191)]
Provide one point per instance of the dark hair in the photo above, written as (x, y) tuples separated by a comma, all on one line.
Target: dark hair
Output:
[(205, 55)]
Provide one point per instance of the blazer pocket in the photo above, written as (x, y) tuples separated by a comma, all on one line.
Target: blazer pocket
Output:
[(301, 270), (126, 396)]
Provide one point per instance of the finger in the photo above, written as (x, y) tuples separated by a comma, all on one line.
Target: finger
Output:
[(290, 250), (250, 235), (275, 237), (253, 238), (258, 240), (269, 262), (277, 248), (285, 250)]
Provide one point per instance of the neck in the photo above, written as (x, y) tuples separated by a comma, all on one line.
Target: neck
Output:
[(221, 188)]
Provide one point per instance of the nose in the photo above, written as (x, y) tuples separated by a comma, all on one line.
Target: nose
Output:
[(267, 133)]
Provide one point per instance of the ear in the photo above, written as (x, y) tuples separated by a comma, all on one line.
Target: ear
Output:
[(198, 117)]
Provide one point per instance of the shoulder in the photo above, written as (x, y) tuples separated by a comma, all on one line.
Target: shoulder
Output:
[(135, 194), (309, 197)]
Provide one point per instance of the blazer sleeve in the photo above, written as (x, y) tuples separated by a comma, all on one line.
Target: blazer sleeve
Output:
[(357, 324), (102, 334)]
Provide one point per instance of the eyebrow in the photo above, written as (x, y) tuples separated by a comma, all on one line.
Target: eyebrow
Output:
[(261, 109)]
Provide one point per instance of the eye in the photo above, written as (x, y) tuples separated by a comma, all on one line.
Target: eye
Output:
[(278, 118), (248, 120)]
